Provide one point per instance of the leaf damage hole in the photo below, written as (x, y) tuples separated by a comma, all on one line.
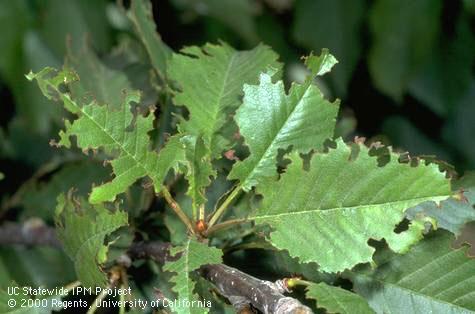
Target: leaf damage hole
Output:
[(402, 226)]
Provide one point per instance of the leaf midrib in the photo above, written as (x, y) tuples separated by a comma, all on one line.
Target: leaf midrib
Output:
[(88, 240), (116, 142), (220, 97), (324, 211), (272, 142)]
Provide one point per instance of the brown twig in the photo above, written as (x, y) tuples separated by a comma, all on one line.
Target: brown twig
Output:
[(239, 288), (32, 233), (242, 289)]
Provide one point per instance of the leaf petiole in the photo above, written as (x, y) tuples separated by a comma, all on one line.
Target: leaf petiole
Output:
[(177, 209), (72, 285), (122, 301), (219, 212), (97, 301), (202, 212), (224, 225)]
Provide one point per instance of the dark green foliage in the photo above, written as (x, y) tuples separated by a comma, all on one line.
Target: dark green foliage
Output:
[(236, 152)]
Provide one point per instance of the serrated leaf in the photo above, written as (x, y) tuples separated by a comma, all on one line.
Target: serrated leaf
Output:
[(82, 231), (320, 65), (118, 132), (451, 214), (335, 25), (214, 89), (193, 255), (431, 278), (140, 14), (199, 168), (337, 300), (327, 214), (270, 119)]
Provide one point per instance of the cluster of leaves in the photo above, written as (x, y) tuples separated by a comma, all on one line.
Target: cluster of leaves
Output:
[(243, 162), (430, 43)]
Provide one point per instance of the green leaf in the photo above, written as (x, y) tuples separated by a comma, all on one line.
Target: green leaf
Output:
[(405, 135), (2, 176), (469, 6), (12, 13), (35, 266), (39, 198), (431, 278), (335, 25), (140, 14), (192, 255), (337, 300), (236, 15), (445, 79), (199, 169), (82, 232), (459, 130), (31, 52), (327, 214), (59, 20), (451, 214), (104, 84), (102, 127), (213, 92), (21, 303), (320, 65), (404, 34), (270, 119)]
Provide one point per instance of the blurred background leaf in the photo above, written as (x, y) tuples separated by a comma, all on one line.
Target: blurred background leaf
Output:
[(335, 25)]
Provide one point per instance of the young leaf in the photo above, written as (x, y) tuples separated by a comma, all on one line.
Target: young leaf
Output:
[(140, 14), (213, 91), (431, 278), (328, 213), (270, 120), (199, 168), (82, 233), (337, 300), (192, 255), (102, 127)]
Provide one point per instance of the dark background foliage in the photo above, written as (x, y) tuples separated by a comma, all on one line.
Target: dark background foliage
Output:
[(405, 73)]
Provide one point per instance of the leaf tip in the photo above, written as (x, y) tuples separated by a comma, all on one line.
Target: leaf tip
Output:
[(322, 64)]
